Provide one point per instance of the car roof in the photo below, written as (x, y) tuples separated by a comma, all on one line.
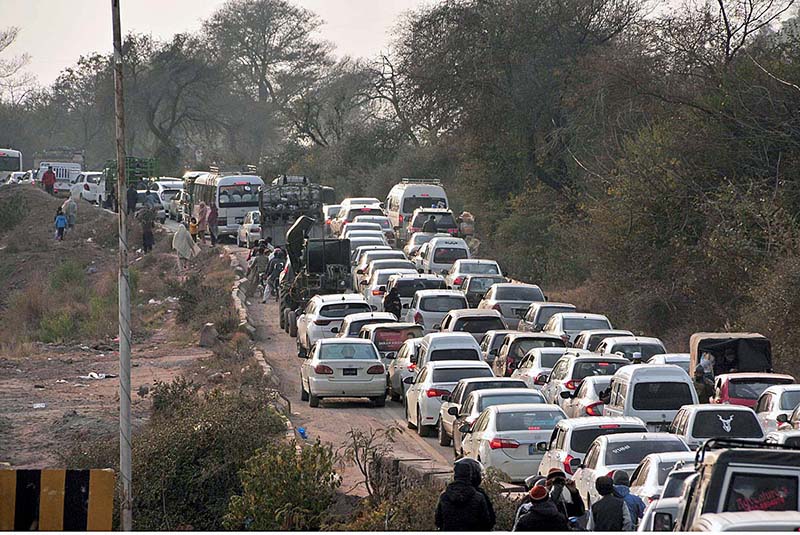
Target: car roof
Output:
[(432, 210), (593, 421), (592, 332), (665, 371), (548, 350), (669, 456), (457, 242), (435, 292), (512, 407), (446, 364), (534, 336), (780, 389), (778, 435), (751, 520), (340, 298), (368, 315), (417, 276), (326, 341), (633, 339), (517, 285), (475, 261), (495, 332), (675, 357), (474, 312), (542, 304), (712, 407), (455, 337), (493, 379), (580, 315), (390, 325), (638, 437), (753, 375), (507, 390)]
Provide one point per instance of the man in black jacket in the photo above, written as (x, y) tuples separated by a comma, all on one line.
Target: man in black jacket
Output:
[(540, 514), (461, 507), (430, 225), (610, 512)]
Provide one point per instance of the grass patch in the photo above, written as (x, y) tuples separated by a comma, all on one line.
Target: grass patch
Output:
[(12, 212)]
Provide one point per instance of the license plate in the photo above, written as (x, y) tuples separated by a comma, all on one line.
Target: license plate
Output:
[(532, 449), (350, 371)]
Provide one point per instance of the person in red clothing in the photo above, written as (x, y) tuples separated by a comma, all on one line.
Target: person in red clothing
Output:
[(49, 180)]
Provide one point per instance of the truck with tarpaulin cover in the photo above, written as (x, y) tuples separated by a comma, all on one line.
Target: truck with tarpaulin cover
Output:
[(287, 198), (732, 352)]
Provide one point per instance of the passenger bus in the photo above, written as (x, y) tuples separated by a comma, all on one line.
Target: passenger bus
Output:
[(233, 195), (10, 162)]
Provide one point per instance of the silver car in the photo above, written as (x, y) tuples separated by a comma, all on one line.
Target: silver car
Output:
[(511, 300), (585, 401), (402, 366), (429, 307)]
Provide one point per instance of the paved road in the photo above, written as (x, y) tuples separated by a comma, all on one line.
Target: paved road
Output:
[(331, 421)]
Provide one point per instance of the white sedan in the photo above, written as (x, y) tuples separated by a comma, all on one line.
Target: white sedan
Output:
[(343, 368), (250, 230), (511, 438)]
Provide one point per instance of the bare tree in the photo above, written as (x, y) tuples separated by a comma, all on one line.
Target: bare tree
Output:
[(11, 78)]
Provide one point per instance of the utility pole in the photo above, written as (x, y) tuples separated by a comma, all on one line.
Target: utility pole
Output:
[(126, 503)]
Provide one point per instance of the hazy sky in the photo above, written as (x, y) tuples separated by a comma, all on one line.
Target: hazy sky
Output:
[(56, 32)]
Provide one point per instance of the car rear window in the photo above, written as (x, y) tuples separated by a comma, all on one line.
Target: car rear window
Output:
[(355, 212), (583, 438), (518, 293), (761, 492), (454, 354), (169, 194), (595, 340), (585, 324), (384, 255), (528, 420), (752, 388), (508, 399), (454, 375), (484, 385), (391, 264), (664, 468), (443, 221), (647, 350), (738, 424), (412, 203), (340, 310), (382, 221), (407, 288), (545, 313), (443, 303), (448, 255), (634, 452), (387, 339), (481, 284), (674, 487), (479, 268), (347, 351), (355, 327), (521, 347), (478, 325), (548, 360), (594, 368), (658, 396), (790, 400)]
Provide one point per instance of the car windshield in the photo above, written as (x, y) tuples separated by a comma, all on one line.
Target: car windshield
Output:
[(761, 492), (751, 388), (387, 339), (594, 368), (448, 255), (518, 292), (454, 354), (454, 375), (674, 485), (528, 420), (412, 203), (632, 452), (661, 396), (664, 468), (585, 324), (443, 221), (238, 195), (481, 284), (443, 303), (723, 423), (478, 325), (647, 350), (340, 310), (347, 351), (478, 268), (790, 400), (407, 288), (583, 438), (508, 399)]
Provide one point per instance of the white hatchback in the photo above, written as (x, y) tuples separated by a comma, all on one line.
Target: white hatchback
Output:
[(568, 325), (323, 317), (250, 230), (472, 266), (429, 307)]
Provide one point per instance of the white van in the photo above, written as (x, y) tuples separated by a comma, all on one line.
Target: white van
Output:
[(66, 174), (441, 253), (410, 194), (651, 392)]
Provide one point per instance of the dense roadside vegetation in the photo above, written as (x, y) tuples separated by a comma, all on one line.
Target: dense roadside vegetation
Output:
[(644, 158)]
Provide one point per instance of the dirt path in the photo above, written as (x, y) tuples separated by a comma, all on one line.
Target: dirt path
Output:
[(331, 421)]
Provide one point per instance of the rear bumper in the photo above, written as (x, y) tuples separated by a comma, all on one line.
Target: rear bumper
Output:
[(517, 469), (375, 386)]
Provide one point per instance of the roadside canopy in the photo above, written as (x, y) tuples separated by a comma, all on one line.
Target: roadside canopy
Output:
[(742, 352)]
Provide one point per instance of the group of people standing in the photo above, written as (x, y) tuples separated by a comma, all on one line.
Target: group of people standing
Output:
[(264, 265), (204, 221), (552, 504)]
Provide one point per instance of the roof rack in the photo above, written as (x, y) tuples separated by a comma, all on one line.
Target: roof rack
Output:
[(432, 181), (719, 443)]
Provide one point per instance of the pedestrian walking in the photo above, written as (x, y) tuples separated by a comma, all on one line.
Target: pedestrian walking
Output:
[(461, 507), (539, 513), (392, 302), (193, 229), (213, 215), (609, 513), (184, 246), (61, 224), (703, 385), (147, 217), (274, 269), (131, 195), (622, 489), (202, 221), (70, 208), (430, 225), (565, 494), (49, 181)]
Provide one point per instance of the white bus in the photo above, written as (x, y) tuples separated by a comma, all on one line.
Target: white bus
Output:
[(10, 162), (234, 196)]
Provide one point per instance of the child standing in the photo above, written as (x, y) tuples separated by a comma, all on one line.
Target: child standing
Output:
[(193, 229), (61, 224)]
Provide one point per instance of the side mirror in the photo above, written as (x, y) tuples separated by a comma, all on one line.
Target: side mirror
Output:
[(335, 330), (374, 308), (364, 283), (408, 381), (541, 446), (782, 419), (566, 394), (390, 355), (381, 288), (662, 522), (443, 272), (420, 270), (452, 411), (465, 428), (575, 463), (360, 271), (541, 379), (445, 398), (406, 305), (437, 326)]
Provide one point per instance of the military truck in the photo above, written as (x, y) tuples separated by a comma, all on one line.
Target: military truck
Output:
[(287, 198), (315, 266)]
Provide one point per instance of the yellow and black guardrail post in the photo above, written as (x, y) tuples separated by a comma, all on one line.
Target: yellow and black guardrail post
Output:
[(56, 500)]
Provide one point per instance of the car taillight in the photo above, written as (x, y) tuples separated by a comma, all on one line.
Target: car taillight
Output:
[(377, 292), (412, 230), (452, 231), (400, 218), (458, 280), (496, 307), (321, 369), (411, 367), (322, 322), (418, 319), (376, 369), (572, 384), (611, 474), (499, 443), (567, 467), (595, 409), (86, 187), (436, 392)]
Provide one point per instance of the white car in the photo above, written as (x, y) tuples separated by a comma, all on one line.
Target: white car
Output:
[(329, 211), (323, 317), (589, 340), (418, 239), (511, 438), (250, 230), (697, 423), (473, 321), (439, 254), (660, 514), (351, 324), (340, 368), (585, 401), (568, 325), (790, 438), (575, 366), (402, 366), (374, 288), (362, 233), (627, 346), (537, 364), (409, 284), (383, 221), (538, 314), (512, 300), (448, 346), (473, 266), (648, 480), (434, 380), (357, 252), (365, 258), (678, 359), (572, 437), (90, 186), (778, 400), (396, 264), (609, 453), (177, 204), (429, 307), (355, 243)]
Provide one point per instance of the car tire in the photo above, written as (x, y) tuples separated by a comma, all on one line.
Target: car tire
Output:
[(303, 392), (444, 440), (282, 320), (394, 396), (292, 319), (422, 429), (379, 401), (313, 401), (408, 420), (286, 320)]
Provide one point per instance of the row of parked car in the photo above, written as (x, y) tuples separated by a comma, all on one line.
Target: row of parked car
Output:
[(498, 373)]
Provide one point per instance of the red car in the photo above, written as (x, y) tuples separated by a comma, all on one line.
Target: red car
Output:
[(745, 388)]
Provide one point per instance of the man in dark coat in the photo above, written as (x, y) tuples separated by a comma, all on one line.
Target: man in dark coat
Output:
[(703, 385), (564, 493), (540, 514), (430, 225), (610, 512), (461, 507), (131, 196), (392, 302)]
